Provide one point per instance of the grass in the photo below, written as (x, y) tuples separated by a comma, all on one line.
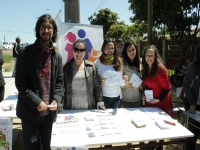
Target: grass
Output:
[(8, 61), (7, 58)]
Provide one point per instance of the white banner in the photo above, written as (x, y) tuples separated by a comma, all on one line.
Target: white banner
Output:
[(70, 32)]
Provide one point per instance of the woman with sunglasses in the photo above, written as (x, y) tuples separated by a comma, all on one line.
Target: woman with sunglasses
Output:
[(132, 97), (109, 61), (82, 86)]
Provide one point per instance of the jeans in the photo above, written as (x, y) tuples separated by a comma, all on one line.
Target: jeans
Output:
[(14, 69), (111, 102), (34, 132)]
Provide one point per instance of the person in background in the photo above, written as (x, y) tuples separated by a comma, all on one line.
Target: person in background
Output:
[(16, 50), (39, 80), (131, 96), (109, 61), (2, 81), (82, 85), (155, 77), (191, 87)]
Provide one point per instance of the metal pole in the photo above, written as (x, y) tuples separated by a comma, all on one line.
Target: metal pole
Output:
[(150, 20)]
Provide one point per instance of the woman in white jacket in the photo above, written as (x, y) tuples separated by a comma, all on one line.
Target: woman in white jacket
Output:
[(109, 61)]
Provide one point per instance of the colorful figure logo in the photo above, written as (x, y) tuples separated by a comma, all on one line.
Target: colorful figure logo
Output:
[(71, 118), (71, 39), (91, 54)]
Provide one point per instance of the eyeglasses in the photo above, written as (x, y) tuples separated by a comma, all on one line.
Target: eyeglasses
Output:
[(76, 50), (131, 50), (108, 48), (43, 28), (150, 56)]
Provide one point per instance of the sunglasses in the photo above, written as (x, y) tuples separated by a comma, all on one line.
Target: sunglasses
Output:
[(76, 50)]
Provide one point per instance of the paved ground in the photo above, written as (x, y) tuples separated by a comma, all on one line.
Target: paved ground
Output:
[(17, 134)]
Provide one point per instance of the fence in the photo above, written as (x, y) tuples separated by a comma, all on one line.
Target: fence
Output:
[(173, 51)]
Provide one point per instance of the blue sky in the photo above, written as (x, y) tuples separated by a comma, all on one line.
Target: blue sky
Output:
[(18, 17)]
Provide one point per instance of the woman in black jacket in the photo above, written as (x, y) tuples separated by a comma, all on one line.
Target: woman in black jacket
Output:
[(82, 85)]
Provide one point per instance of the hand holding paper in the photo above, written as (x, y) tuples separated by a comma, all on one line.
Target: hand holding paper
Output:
[(135, 79), (148, 94)]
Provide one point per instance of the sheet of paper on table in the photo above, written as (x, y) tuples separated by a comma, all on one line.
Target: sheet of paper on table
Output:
[(71, 130), (155, 113)]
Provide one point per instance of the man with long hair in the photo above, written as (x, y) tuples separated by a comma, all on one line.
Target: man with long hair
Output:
[(39, 80)]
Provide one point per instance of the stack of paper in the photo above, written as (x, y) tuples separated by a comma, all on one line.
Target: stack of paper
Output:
[(138, 123)]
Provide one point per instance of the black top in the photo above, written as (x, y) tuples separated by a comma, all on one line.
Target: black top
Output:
[(16, 49)]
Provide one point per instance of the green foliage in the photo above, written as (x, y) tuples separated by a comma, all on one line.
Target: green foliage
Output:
[(104, 17), (175, 17), (116, 32), (137, 30), (7, 58), (122, 33)]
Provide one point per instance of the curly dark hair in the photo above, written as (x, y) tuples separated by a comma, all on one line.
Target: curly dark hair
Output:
[(145, 67), (117, 65), (43, 18), (136, 61)]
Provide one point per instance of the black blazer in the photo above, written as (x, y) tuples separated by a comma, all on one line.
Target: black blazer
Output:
[(27, 83)]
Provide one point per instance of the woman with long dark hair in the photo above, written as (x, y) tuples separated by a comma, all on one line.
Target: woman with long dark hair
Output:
[(131, 96), (109, 61)]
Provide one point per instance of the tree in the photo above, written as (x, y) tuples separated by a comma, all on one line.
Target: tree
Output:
[(122, 33), (116, 32), (137, 30), (104, 17), (177, 16)]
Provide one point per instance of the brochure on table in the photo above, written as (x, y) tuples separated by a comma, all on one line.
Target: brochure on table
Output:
[(69, 133), (78, 129), (5, 133)]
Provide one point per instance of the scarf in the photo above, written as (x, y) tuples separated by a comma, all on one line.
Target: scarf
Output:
[(106, 59)]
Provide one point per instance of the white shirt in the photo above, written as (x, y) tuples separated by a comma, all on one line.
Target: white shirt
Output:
[(109, 90)]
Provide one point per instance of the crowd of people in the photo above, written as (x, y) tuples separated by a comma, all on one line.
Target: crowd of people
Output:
[(44, 84)]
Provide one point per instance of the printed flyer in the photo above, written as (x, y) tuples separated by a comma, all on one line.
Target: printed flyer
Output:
[(5, 133), (68, 133)]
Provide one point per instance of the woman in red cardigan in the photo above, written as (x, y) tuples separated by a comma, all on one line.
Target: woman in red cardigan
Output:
[(154, 75)]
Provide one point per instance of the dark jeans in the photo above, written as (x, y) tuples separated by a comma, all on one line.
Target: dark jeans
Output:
[(34, 132), (2, 91), (191, 141), (111, 102)]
